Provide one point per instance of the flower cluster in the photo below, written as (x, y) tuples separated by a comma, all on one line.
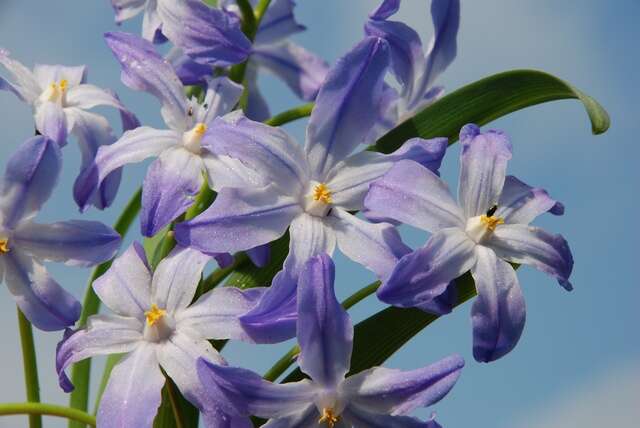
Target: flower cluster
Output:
[(330, 192)]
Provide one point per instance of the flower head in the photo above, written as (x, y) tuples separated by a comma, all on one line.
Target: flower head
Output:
[(484, 234)]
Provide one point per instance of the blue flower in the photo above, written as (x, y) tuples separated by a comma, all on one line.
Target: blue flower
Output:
[(32, 173), (374, 398), (489, 230)]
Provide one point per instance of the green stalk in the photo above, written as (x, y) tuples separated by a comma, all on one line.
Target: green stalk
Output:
[(80, 375), (290, 115), (173, 400), (47, 409), (289, 358), (30, 367)]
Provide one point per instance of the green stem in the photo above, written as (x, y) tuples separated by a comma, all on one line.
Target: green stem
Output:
[(47, 409), (30, 367), (261, 9), (173, 400), (290, 115), (81, 370), (248, 18), (289, 358)]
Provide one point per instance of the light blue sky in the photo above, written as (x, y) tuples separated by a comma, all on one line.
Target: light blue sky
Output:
[(578, 361)]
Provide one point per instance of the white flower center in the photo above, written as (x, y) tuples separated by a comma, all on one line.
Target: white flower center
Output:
[(56, 92), (481, 227), (318, 200), (159, 326), (192, 138), (330, 406)]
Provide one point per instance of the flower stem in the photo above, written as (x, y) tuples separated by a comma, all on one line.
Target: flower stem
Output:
[(290, 115), (30, 367), (81, 370), (38, 409), (289, 358), (173, 400)]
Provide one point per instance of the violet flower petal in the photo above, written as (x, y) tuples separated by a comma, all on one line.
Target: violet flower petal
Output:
[(521, 204)]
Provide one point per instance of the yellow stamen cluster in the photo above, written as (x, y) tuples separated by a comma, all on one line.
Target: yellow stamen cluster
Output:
[(154, 314), (4, 246), (63, 84), (200, 129), (491, 221), (328, 417), (322, 193)]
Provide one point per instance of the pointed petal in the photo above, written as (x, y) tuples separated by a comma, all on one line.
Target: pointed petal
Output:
[(378, 247), (208, 35), (389, 391), (386, 9), (31, 174), (325, 332), (40, 298), (216, 315), (358, 417), (143, 69), (547, 252), (273, 318), (221, 97), (74, 242), (178, 357), (189, 71), (521, 203), (152, 23), (52, 122), (301, 70), (249, 394), (278, 23), (309, 236), (239, 219), (483, 164), (260, 255), (498, 313), (338, 123), (133, 394), (257, 107), (104, 335), (176, 278), (26, 86), (126, 287), (87, 96), (46, 74), (170, 187), (269, 151), (126, 9), (413, 195), (92, 132), (423, 275), (350, 180)]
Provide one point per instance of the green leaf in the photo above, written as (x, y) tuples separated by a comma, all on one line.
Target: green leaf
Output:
[(249, 276), (486, 100), (166, 416)]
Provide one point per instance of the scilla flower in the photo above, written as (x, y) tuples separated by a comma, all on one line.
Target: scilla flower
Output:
[(156, 326), (487, 231), (374, 398), (31, 175)]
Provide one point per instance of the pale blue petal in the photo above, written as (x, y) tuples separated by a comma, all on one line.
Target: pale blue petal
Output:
[(521, 203)]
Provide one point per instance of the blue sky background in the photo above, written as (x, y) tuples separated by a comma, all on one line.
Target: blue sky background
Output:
[(577, 364)]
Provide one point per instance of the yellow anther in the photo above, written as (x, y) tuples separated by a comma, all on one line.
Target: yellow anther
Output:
[(154, 314), (491, 221), (4, 246), (63, 84), (328, 417), (322, 193), (200, 129)]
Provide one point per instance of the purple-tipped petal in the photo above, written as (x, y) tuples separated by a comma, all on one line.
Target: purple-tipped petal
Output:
[(423, 275), (521, 204), (338, 123), (152, 23), (308, 237), (396, 392), (260, 255), (143, 69), (350, 180), (126, 287), (301, 70), (52, 122), (133, 394), (74, 242), (127, 9), (378, 247), (483, 164), (104, 335), (278, 23), (170, 187), (239, 219), (413, 195), (176, 278), (273, 318), (498, 313), (30, 176), (249, 394), (269, 152), (206, 34), (386, 9), (325, 332), (216, 315), (40, 298), (189, 71), (533, 246)]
